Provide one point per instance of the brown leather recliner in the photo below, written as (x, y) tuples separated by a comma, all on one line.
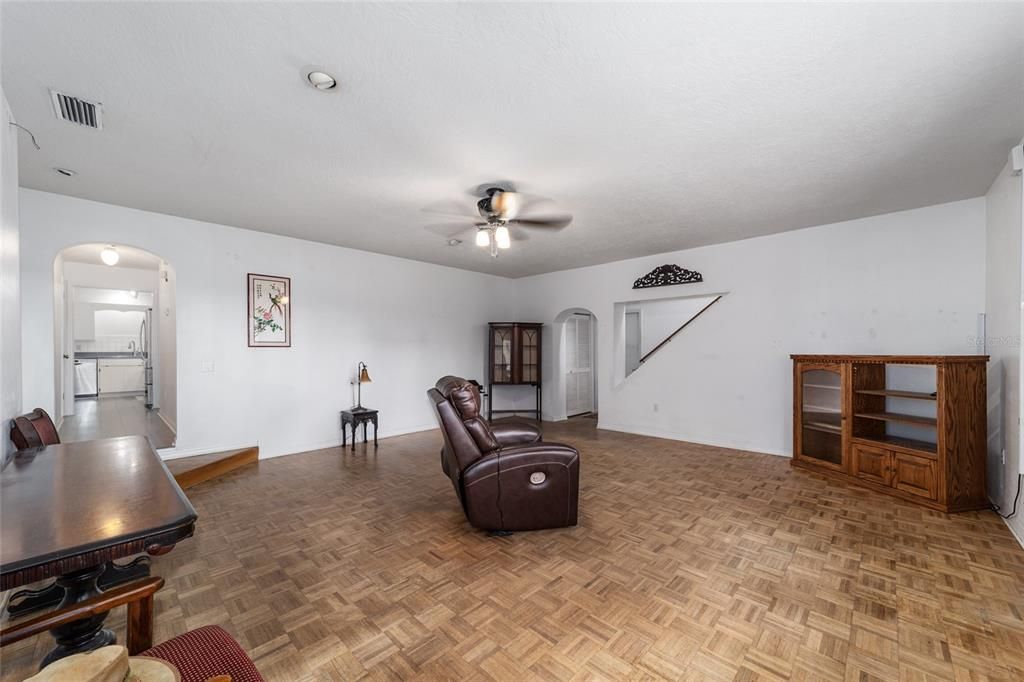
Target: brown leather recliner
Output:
[(506, 478)]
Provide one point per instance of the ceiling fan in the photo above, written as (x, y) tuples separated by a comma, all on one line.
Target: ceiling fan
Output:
[(500, 207)]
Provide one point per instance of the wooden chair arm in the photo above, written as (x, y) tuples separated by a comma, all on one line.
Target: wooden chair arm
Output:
[(137, 594)]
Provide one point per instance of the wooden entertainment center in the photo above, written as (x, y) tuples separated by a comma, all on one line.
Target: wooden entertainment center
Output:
[(912, 426)]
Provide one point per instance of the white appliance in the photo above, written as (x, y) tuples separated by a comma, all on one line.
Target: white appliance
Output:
[(85, 378)]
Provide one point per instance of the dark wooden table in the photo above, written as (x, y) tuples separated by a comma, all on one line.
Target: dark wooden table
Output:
[(68, 511), (354, 416)]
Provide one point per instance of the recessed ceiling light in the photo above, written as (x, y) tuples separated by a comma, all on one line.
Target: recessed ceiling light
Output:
[(321, 80), (454, 242), (66, 172)]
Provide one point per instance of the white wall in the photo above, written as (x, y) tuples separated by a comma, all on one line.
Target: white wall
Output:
[(411, 322), (117, 330), (93, 308), (909, 282), (10, 297), (1003, 331)]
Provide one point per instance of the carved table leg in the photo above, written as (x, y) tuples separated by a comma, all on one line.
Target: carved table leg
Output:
[(32, 600), (115, 574), (85, 634)]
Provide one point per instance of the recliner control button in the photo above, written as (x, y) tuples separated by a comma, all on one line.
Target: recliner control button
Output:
[(537, 477)]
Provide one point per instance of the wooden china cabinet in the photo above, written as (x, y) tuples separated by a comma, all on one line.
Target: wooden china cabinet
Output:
[(911, 426), (513, 359)]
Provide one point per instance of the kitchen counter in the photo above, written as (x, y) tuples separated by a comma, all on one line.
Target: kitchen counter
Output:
[(107, 355)]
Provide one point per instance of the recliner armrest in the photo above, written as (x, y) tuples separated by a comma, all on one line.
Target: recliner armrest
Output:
[(515, 433)]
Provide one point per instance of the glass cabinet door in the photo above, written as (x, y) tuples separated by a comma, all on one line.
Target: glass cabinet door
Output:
[(821, 425), (501, 355), (530, 345)]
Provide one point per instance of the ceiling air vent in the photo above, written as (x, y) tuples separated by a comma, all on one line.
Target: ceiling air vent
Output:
[(75, 110)]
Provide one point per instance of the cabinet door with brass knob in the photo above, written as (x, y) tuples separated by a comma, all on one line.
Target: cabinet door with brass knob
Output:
[(872, 464)]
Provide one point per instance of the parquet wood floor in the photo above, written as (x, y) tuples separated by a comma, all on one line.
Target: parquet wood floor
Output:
[(690, 562)]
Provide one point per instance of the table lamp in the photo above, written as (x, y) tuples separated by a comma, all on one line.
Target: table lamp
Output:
[(363, 377)]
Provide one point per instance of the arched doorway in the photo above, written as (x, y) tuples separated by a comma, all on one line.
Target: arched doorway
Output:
[(115, 344), (575, 365)]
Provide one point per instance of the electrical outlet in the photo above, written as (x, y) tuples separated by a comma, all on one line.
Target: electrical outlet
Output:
[(655, 407)]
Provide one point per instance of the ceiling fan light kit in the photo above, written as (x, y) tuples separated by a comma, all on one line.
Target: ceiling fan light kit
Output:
[(500, 208), (502, 237)]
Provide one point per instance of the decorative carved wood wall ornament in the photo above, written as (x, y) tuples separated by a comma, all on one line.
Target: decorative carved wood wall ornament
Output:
[(666, 275)]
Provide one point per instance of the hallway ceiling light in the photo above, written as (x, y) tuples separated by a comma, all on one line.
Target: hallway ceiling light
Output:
[(110, 256)]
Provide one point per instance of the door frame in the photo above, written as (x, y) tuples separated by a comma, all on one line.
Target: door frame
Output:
[(554, 369), (593, 363)]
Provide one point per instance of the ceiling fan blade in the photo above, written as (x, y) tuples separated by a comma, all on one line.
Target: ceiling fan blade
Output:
[(551, 222), (517, 234), (529, 203), (452, 230)]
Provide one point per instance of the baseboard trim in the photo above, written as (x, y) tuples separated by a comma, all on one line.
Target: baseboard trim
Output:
[(336, 443), (170, 425), (177, 453), (668, 435), (1013, 532)]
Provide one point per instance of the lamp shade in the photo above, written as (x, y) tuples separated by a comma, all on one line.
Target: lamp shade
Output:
[(364, 376)]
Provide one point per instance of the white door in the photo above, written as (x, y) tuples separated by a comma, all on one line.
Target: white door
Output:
[(579, 365)]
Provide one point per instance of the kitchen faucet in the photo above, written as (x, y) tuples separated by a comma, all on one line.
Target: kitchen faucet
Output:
[(131, 347)]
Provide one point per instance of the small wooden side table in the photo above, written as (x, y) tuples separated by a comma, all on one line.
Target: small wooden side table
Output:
[(353, 417)]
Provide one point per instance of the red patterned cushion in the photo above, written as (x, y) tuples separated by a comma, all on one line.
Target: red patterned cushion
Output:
[(204, 653)]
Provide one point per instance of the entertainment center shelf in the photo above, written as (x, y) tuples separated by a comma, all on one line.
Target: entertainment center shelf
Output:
[(912, 426), (915, 395), (828, 422), (894, 417)]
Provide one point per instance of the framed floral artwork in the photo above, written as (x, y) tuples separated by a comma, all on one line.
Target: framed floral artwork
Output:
[(270, 311)]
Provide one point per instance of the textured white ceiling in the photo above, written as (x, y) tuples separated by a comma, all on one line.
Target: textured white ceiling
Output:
[(659, 126)]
